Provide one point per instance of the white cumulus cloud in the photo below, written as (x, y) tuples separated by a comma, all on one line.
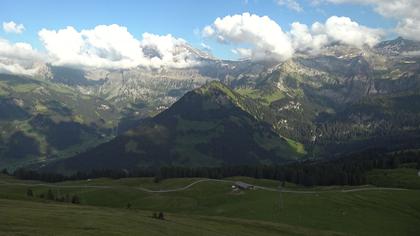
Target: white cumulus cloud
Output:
[(113, 46), (409, 28), (18, 58), (304, 39), (334, 30), (12, 27), (265, 39), (265, 36), (406, 12), (344, 30), (170, 51)]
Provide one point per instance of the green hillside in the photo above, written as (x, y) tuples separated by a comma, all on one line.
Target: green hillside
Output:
[(41, 120)]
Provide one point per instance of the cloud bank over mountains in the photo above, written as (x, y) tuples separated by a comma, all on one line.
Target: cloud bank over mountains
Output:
[(113, 46), (249, 35), (105, 47), (266, 39)]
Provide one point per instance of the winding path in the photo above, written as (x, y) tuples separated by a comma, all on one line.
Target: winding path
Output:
[(200, 181), (185, 187)]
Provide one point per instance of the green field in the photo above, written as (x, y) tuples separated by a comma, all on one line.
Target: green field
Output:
[(401, 177), (206, 208), (33, 218)]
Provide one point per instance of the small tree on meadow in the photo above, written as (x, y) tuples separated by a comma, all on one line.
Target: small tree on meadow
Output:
[(75, 199), (157, 179), (161, 216), (29, 193), (50, 195)]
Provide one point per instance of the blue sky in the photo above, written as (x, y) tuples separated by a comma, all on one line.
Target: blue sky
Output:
[(182, 18)]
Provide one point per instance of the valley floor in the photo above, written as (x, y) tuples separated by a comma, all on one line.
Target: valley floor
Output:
[(210, 207)]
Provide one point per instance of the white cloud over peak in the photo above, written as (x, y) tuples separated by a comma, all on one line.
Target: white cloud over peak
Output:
[(291, 4), (18, 58), (344, 30), (170, 51), (409, 28), (19, 51), (406, 12), (304, 39), (12, 27), (335, 29), (113, 46), (265, 36)]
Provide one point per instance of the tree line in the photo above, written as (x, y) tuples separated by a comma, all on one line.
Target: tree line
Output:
[(50, 195), (347, 170)]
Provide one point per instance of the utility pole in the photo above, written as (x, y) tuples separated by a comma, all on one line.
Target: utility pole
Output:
[(281, 202)]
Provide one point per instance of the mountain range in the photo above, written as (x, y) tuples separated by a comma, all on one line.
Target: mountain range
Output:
[(209, 126), (337, 101)]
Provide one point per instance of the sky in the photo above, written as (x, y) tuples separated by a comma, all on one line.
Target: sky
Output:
[(110, 34)]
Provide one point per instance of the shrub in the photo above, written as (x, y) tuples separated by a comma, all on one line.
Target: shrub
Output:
[(29, 193), (75, 199), (161, 216)]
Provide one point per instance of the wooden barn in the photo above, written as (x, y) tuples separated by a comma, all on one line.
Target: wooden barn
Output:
[(242, 186)]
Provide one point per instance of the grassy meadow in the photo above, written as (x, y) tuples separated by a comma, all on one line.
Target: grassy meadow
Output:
[(209, 208)]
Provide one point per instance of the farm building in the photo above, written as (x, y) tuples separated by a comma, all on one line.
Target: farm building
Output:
[(242, 185)]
